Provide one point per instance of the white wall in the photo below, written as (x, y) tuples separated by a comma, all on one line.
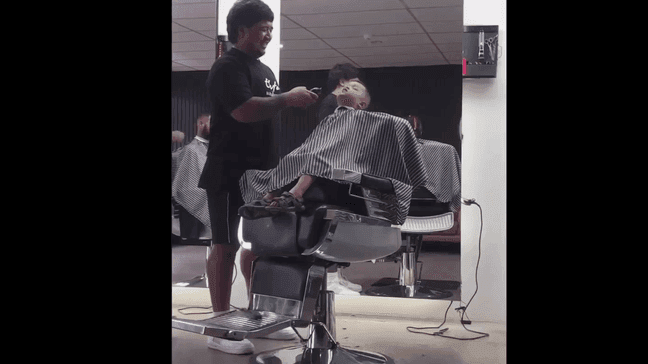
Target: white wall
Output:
[(484, 175)]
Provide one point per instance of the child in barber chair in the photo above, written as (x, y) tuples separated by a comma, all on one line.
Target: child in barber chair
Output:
[(354, 95)]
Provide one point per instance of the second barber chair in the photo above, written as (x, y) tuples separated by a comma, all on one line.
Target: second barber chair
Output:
[(426, 216)]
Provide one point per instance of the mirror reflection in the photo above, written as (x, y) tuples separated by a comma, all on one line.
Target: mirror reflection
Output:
[(408, 56)]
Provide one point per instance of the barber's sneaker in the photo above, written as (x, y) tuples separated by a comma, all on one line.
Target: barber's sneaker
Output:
[(284, 334), (333, 284), (244, 346), (350, 285)]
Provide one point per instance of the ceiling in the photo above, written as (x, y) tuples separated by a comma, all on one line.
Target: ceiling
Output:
[(317, 34)]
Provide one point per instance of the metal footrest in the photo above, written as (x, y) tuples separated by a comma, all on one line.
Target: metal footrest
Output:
[(416, 291), (428, 224), (235, 325)]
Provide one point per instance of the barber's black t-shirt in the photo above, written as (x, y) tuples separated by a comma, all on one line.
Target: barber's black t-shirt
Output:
[(327, 107), (234, 146)]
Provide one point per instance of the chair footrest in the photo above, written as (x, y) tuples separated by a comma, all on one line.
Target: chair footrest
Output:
[(235, 325), (428, 224)]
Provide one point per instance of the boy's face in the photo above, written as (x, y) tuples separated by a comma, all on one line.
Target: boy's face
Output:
[(353, 94)]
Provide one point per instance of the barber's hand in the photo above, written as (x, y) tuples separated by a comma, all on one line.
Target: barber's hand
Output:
[(300, 97)]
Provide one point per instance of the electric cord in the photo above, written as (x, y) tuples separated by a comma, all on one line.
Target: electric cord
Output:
[(431, 327), (209, 307), (461, 309), (481, 219)]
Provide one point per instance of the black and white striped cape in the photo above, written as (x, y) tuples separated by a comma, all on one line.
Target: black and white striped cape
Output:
[(443, 172), (184, 188), (375, 143)]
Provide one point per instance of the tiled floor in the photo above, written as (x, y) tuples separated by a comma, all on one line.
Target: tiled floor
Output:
[(382, 334)]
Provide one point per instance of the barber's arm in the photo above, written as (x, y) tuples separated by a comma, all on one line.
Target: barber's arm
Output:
[(263, 108)]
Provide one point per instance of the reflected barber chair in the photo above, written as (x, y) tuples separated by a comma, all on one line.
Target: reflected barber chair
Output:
[(289, 278), (426, 215), (191, 232)]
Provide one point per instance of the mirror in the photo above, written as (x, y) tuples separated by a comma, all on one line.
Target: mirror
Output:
[(409, 54)]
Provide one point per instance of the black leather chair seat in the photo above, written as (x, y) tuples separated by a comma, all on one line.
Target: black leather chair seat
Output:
[(424, 203)]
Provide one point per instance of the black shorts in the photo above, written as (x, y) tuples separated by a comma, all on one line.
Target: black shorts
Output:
[(223, 214)]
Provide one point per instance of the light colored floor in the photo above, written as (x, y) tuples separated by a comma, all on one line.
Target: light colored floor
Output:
[(366, 323), (382, 334)]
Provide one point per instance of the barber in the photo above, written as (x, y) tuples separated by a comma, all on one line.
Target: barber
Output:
[(245, 98)]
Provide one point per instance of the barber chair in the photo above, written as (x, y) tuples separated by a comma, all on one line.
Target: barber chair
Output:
[(193, 233), (289, 277), (426, 216)]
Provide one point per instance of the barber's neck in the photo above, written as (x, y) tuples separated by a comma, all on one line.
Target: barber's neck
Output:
[(246, 50)]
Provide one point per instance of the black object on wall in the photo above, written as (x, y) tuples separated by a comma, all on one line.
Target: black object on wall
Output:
[(479, 51)]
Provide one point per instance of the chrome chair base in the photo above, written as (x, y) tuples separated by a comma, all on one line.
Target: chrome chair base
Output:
[(321, 346), (303, 355), (416, 291)]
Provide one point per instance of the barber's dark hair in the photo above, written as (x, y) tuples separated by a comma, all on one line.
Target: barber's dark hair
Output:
[(341, 71), (246, 13)]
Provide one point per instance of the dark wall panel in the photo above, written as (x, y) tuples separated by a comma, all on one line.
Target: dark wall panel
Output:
[(433, 93), (189, 99)]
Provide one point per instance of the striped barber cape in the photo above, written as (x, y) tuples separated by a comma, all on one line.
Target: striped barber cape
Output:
[(184, 189), (443, 172), (375, 143)]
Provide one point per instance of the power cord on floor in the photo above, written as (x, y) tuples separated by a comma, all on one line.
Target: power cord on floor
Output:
[(209, 307), (461, 309)]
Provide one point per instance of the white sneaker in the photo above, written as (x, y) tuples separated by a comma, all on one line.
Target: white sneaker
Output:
[(284, 334), (244, 346), (350, 285), (339, 289), (333, 284)]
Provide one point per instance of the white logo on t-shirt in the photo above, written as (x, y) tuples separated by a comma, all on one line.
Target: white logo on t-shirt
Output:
[(271, 87)]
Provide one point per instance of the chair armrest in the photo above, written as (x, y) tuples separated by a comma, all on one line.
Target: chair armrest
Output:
[(379, 184), (346, 175)]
